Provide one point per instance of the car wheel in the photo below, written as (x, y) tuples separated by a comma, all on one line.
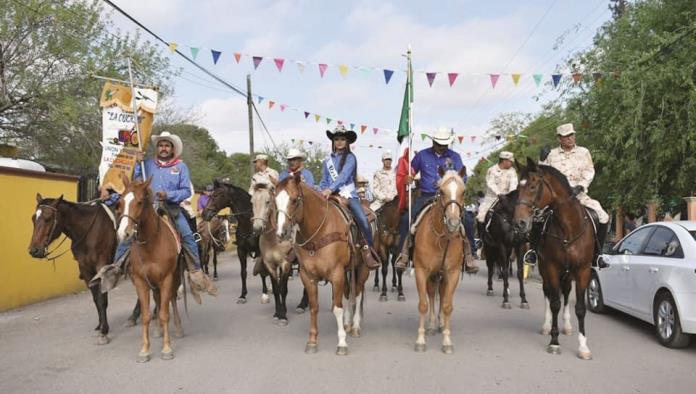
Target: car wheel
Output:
[(667, 324), (595, 299)]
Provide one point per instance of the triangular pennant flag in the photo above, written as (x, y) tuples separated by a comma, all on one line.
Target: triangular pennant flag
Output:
[(306, 114), (173, 46), (271, 104), (343, 70), (194, 52), (260, 99), (279, 63), (366, 71), (461, 139), (431, 78), (515, 78), (216, 55), (556, 79), (257, 60), (468, 154), (300, 67), (352, 126), (339, 121), (424, 136), (282, 107), (362, 129), (387, 75), (577, 77), (310, 142), (322, 69), (328, 120), (473, 138), (375, 130), (316, 118), (452, 77), (498, 137), (237, 57), (494, 79), (537, 79)]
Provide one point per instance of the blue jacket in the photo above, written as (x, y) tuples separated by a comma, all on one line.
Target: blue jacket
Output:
[(427, 161), (306, 175), (346, 175), (174, 180)]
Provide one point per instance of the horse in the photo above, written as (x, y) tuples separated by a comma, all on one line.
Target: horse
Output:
[(227, 195), (565, 249), (154, 260), (437, 256), (214, 237), (499, 241), (325, 245), (386, 245)]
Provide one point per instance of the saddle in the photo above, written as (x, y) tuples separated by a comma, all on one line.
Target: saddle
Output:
[(342, 204), (422, 213)]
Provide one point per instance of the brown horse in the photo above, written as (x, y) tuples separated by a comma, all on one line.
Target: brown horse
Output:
[(565, 249), (437, 256), (324, 244), (153, 259), (387, 242), (214, 237)]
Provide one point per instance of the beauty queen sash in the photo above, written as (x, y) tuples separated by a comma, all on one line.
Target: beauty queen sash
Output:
[(344, 191)]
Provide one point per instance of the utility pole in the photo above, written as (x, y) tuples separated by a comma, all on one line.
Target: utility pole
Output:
[(250, 104), (135, 116)]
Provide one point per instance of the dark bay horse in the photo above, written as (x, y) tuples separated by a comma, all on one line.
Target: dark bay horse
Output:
[(499, 241), (437, 257), (565, 249), (214, 237), (386, 245), (325, 246)]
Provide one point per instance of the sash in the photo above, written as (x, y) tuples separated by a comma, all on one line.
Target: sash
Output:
[(345, 191)]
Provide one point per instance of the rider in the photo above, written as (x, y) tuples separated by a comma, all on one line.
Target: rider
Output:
[(338, 176), (263, 171), (427, 162), (296, 160), (575, 162), (384, 183), (204, 198), (171, 185), (500, 179)]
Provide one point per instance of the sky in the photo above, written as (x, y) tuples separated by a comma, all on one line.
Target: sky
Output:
[(472, 38)]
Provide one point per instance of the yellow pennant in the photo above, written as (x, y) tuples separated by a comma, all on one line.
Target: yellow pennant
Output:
[(343, 70), (173, 46), (317, 117), (516, 78)]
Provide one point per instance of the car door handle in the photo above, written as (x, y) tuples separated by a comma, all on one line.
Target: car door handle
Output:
[(653, 270), (626, 268)]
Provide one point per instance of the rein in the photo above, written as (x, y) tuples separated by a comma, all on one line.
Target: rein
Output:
[(291, 218), (47, 255)]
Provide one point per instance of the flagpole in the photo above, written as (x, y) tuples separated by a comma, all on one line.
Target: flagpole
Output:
[(409, 89), (135, 115)]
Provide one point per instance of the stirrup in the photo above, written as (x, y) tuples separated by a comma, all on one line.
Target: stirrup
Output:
[(530, 258), (197, 237)]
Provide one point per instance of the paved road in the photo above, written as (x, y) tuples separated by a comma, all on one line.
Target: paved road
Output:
[(48, 347)]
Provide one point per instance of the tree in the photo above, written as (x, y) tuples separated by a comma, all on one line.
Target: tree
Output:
[(313, 161)]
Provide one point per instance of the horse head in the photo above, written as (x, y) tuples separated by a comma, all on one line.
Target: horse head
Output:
[(288, 205), (451, 190), (262, 206), (47, 227), (219, 199), (136, 199)]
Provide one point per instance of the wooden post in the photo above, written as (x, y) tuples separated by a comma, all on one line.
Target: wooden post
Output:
[(619, 224), (690, 208), (652, 211)]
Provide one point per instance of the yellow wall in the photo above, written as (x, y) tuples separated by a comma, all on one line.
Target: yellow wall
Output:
[(23, 279)]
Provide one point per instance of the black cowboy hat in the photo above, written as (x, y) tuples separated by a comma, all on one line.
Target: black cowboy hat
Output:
[(340, 131)]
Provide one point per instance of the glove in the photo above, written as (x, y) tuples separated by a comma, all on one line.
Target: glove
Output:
[(577, 190), (544, 153)]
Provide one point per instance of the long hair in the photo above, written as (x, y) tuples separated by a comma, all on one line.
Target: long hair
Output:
[(344, 156)]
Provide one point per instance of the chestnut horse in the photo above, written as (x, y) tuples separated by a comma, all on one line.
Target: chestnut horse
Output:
[(324, 244), (437, 256), (565, 249), (214, 237), (388, 241), (152, 263)]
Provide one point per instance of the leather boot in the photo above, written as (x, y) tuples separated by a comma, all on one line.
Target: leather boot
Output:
[(200, 282), (470, 266), (601, 237), (109, 275), (370, 258), (403, 258)]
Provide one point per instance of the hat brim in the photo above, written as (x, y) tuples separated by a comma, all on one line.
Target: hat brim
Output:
[(173, 139), (440, 141), (565, 134), (350, 135)]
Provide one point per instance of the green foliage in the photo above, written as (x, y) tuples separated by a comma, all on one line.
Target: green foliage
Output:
[(313, 152)]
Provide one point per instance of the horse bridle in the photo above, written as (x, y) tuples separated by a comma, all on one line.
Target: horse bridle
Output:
[(291, 218), (54, 224), (271, 212)]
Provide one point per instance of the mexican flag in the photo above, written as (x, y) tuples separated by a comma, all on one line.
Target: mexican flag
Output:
[(403, 136)]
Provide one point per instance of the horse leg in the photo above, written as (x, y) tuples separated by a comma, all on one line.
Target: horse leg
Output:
[(133, 319), (265, 299), (178, 328), (166, 295), (395, 272), (304, 302), (555, 304), (338, 286), (101, 302), (400, 286), (385, 272), (447, 290), (520, 277), (422, 286), (145, 316), (375, 287), (158, 327), (505, 270), (348, 311), (566, 286), (283, 311), (546, 326), (243, 274), (276, 296), (432, 286), (490, 264), (363, 274), (580, 287), (215, 274), (312, 290)]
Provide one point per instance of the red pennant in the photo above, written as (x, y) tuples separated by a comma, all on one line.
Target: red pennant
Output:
[(452, 77), (494, 79), (577, 77), (473, 138), (279, 63), (237, 57), (362, 129), (461, 139), (322, 69), (282, 107), (431, 78), (339, 121), (270, 104)]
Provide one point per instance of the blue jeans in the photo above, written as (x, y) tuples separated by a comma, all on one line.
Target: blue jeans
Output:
[(415, 208), (360, 219), (468, 222)]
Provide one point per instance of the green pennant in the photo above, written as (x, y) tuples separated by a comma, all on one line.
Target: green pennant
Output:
[(194, 52)]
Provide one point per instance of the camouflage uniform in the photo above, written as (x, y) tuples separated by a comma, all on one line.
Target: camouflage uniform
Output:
[(383, 188), (498, 181), (266, 175)]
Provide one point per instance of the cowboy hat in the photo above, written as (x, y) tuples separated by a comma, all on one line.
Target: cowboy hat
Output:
[(172, 138), (294, 153), (565, 130), (386, 155), (340, 131), (505, 155), (260, 156), (361, 179), (443, 136)]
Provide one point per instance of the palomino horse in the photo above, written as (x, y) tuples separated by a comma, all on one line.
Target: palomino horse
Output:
[(565, 249), (227, 195), (437, 256), (388, 241), (152, 263), (214, 237), (324, 245), (499, 241)]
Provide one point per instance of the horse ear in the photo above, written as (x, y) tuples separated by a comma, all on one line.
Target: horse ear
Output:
[(125, 179), (38, 198), (297, 176), (59, 200), (440, 171), (216, 183), (462, 172), (531, 164), (148, 182), (518, 166)]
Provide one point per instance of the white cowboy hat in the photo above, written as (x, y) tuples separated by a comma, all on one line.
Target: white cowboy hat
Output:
[(565, 129), (443, 136), (260, 156), (361, 179), (294, 153), (172, 138), (386, 155), (506, 155)]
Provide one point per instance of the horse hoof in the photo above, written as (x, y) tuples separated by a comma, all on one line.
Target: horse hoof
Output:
[(355, 333), (430, 332), (585, 355), (283, 322), (101, 340), (167, 355), (420, 347), (275, 317), (554, 349), (375, 288), (524, 305), (545, 331), (341, 350), (241, 300), (130, 323), (447, 349), (506, 305), (299, 310), (490, 293), (311, 348), (567, 331), (401, 297), (215, 278), (265, 299), (143, 357), (383, 298), (178, 333)]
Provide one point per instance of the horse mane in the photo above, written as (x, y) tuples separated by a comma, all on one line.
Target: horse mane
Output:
[(69, 204), (558, 176), (449, 175), (240, 197), (507, 202)]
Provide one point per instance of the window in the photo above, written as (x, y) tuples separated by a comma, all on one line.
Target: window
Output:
[(663, 242), (633, 243)]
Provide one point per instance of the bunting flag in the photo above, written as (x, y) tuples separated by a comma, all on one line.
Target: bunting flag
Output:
[(316, 118), (173, 46), (431, 78), (194, 52), (282, 107), (216, 55), (494, 79), (328, 120), (260, 99), (279, 63), (362, 129), (352, 126), (322, 69), (300, 67), (257, 60), (306, 115), (461, 139), (237, 57), (452, 77), (339, 121), (387, 76), (424, 136), (271, 104), (537, 79), (473, 138), (343, 70), (516, 78), (375, 130), (577, 77), (556, 79), (365, 72)]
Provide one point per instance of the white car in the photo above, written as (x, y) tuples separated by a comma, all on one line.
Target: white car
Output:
[(652, 276)]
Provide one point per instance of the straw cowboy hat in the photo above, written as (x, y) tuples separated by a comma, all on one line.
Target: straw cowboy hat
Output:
[(505, 155), (361, 179), (172, 138), (295, 153), (565, 129), (260, 156), (340, 131), (443, 136), (386, 155)]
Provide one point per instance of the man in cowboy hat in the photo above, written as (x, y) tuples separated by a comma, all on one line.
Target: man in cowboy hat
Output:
[(263, 171), (500, 179), (171, 184), (426, 162), (296, 158), (383, 183), (575, 162)]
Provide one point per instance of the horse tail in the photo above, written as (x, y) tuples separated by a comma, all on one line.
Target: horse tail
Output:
[(181, 272)]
